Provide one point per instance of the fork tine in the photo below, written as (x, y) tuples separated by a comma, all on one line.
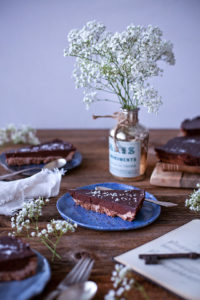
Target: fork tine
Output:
[(84, 271), (79, 273), (75, 278), (73, 273), (86, 274)]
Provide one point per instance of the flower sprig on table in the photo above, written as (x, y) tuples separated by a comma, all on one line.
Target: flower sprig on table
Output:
[(119, 63), (27, 220), (194, 200), (24, 134), (123, 282)]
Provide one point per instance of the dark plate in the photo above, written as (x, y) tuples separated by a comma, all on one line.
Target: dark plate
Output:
[(93, 220), (75, 162), (29, 287)]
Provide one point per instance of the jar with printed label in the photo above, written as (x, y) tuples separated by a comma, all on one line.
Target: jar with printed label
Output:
[(128, 146)]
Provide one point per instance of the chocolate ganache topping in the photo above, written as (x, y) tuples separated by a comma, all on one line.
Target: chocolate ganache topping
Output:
[(181, 150), (42, 153), (191, 126), (122, 203)]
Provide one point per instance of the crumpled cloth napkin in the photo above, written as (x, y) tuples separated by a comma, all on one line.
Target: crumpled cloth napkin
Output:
[(45, 184)]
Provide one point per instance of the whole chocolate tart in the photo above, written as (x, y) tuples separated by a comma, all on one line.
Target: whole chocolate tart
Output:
[(191, 126), (42, 153), (122, 203), (17, 260), (181, 150)]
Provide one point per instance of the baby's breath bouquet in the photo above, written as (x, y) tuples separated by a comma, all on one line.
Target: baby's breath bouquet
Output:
[(17, 135), (123, 284), (193, 202), (26, 221), (119, 64)]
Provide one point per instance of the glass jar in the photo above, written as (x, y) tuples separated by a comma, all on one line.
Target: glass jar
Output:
[(128, 146)]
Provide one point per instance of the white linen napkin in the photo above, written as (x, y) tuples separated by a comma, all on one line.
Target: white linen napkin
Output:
[(45, 184)]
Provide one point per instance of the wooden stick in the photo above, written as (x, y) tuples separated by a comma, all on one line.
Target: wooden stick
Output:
[(167, 167)]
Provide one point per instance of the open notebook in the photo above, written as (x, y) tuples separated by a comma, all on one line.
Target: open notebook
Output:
[(181, 276)]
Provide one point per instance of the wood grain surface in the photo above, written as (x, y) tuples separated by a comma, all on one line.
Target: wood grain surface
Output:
[(103, 246)]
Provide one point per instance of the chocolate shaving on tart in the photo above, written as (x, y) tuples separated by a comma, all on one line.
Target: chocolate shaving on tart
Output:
[(42, 153), (191, 126), (17, 260), (122, 203), (180, 150)]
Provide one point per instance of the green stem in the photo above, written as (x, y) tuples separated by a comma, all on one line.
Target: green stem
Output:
[(142, 290), (86, 58), (55, 245), (52, 243), (52, 250), (108, 100)]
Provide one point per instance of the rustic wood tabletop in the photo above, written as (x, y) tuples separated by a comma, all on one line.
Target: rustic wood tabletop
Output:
[(103, 246)]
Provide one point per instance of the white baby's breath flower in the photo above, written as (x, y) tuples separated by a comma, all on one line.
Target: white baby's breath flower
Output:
[(122, 282), (119, 63), (110, 295), (13, 134), (120, 291), (27, 219), (193, 202)]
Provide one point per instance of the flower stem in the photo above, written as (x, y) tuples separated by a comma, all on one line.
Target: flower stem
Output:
[(52, 250), (140, 288)]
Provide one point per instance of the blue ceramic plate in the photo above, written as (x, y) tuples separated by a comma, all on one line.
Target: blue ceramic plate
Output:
[(93, 220), (75, 162), (27, 288)]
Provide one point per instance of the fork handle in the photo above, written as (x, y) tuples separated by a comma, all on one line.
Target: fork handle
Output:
[(17, 172), (161, 203), (52, 295)]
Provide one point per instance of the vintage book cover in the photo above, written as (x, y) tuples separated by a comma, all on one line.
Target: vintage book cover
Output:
[(179, 275)]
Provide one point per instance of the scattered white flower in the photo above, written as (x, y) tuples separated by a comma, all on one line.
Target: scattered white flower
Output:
[(122, 283), (23, 134), (119, 63), (194, 201), (27, 219)]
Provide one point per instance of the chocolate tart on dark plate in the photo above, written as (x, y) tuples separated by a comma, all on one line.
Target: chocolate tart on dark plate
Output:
[(122, 203), (181, 150), (17, 260), (42, 153), (191, 126)]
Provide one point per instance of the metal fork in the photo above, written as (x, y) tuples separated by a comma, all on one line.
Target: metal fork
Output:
[(80, 273)]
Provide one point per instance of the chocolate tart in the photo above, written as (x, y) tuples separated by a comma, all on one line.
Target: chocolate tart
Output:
[(191, 126), (42, 153), (181, 150), (17, 260), (122, 203)]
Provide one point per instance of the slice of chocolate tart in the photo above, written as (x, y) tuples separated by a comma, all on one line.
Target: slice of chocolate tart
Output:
[(17, 260), (191, 126), (181, 150), (42, 153), (122, 203)]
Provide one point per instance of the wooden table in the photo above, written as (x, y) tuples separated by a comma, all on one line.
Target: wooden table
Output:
[(103, 246)]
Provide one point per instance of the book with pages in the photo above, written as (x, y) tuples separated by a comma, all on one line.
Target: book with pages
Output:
[(178, 275)]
